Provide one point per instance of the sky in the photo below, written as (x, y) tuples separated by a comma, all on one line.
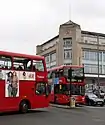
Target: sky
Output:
[(24, 24)]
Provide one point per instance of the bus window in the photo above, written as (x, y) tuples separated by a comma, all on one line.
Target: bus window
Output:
[(29, 65), (75, 89), (22, 64), (40, 88), (5, 62), (49, 75), (38, 65), (61, 74)]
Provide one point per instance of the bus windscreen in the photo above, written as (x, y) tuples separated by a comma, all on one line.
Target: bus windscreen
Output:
[(77, 74), (65, 88)]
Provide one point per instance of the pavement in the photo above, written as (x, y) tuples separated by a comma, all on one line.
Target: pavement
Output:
[(57, 116), (80, 106)]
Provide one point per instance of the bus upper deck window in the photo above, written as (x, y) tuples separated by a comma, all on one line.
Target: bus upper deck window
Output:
[(38, 65), (21, 63), (5, 62), (29, 65), (61, 74)]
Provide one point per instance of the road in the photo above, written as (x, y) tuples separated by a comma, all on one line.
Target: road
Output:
[(57, 116)]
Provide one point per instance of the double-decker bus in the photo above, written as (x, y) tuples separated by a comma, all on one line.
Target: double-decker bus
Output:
[(65, 85), (23, 82)]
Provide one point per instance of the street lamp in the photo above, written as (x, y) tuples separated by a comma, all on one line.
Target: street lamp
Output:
[(69, 77), (98, 65)]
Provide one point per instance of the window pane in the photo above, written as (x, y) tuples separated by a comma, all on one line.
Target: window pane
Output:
[(67, 42), (47, 59), (104, 69), (104, 56), (52, 57), (91, 55), (67, 54), (40, 88), (90, 68), (5, 62), (22, 64), (100, 56), (38, 65)]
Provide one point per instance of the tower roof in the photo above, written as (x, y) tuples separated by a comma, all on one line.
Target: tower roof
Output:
[(70, 23)]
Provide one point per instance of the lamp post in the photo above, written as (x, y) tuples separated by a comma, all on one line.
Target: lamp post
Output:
[(79, 60), (98, 81), (69, 77)]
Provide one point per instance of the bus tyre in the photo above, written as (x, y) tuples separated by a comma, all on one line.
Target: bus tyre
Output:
[(102, 105), (23, 107)]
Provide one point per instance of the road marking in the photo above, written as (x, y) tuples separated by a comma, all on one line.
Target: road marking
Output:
[(67, 107)]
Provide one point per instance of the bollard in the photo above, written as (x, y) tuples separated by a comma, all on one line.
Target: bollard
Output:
[(72, 102)]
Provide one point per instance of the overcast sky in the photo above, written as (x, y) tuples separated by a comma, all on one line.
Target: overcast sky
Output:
[(27, 23)]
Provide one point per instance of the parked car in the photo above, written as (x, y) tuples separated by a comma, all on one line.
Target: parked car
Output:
[(93, 100), (101, 92)]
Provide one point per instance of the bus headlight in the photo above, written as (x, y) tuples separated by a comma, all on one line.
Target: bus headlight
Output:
[(83, 99)]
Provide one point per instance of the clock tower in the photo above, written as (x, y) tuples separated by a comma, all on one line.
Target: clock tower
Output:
[(70, 31)]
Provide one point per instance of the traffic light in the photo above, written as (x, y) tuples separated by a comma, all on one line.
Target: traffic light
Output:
[(69, 73)]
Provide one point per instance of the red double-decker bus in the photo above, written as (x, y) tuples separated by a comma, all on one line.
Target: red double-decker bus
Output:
[(23, 82), (65, 85)]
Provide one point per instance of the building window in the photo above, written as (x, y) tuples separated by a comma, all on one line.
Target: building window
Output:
[(67, 42), (90, 68), (47, 59), (85, 55), (103, 69), (90, 39), (100, 56), (47, 66), (104, 56), (68, 54), (52, 57), (91, 55)]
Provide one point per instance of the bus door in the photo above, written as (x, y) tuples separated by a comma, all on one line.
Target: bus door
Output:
[(41, 94), (52, 80), (41, 85)]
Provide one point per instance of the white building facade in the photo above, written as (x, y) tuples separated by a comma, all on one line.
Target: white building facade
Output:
[(72, 46)]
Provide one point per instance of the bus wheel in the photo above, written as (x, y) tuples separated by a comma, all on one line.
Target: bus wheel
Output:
[(23, 108)]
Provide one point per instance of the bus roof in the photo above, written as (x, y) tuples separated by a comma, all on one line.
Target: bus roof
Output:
[(65, 66), (21, 55)]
